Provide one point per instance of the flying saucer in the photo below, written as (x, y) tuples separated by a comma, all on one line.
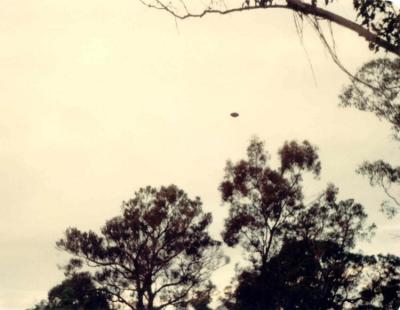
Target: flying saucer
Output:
[(234, 114)]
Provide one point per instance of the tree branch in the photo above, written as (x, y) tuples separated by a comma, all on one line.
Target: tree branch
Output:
[(309, 9), (294, 5)]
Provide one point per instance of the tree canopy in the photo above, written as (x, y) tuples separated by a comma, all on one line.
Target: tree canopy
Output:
[(262, 201), (77, 292), (157, 254), (319, 275), (300, 253), (266, 205)]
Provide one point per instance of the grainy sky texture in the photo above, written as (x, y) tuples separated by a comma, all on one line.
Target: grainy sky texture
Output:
[(100, 97)]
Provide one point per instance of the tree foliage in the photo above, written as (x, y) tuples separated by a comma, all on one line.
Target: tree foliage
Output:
[(157, 254), (383, 289), (266, 205), (77, 292), (319, 275), (377, 21), (262, 201), (387, 177), (376, 89), (301, 254), (303, 275)]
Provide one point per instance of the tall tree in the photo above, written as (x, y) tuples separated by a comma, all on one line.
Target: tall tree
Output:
[(376, 89), (301, 254), (377, 21), (263, 201), (157, 254)]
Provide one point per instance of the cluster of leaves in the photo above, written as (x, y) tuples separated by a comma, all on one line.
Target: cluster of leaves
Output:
[(381, 17), (386, 176), (263, 201), (376, 89), (75, 293), (383, 291)]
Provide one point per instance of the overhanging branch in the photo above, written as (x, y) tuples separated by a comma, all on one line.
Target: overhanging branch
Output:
[(293, 5), (309, 9)]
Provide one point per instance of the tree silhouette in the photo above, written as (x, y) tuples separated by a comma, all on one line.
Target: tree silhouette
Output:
[(264, 201), (303, 275), (300, 277), (157, 254), (75, 293), (301, 254), (383, 291)]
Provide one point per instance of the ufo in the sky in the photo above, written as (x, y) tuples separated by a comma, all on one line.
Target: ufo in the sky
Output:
[(234, 114)]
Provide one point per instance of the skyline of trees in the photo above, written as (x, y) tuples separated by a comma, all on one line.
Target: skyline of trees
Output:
[(159, 255)]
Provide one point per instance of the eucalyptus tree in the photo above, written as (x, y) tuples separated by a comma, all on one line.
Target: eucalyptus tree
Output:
[(301, 255), (376, 89)]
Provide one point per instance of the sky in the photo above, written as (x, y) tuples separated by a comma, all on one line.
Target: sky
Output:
[(99, 98)]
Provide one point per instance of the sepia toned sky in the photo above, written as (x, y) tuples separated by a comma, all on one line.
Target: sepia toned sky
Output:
[(100, 97)]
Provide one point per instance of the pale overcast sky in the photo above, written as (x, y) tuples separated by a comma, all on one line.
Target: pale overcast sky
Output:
[(100, 97)]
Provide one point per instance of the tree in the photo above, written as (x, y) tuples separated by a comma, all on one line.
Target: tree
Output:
[(157, 254), (264, 201), (383, 291), (203, 298), (301, 254), (376, 89), (378, 21), (42, 305), (298, 278), (75, 293)]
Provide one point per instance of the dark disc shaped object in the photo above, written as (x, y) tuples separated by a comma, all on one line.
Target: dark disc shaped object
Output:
[(234, 114)]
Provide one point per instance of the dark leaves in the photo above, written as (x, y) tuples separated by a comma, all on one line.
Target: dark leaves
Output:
[(301, 156), (161, 233), (376, 89), (381, 17), (260, 197)]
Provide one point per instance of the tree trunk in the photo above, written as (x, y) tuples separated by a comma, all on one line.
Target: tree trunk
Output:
[(140, 303)]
